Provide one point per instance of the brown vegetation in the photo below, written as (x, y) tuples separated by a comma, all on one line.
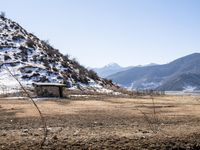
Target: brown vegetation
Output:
[(108, 123)]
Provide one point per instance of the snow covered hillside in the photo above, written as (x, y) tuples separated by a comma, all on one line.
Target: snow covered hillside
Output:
[(33, 60)]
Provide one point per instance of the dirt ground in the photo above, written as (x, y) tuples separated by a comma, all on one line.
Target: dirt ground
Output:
[(166, 122)]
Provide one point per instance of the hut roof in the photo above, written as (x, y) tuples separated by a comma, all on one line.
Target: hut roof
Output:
[(48, 84)]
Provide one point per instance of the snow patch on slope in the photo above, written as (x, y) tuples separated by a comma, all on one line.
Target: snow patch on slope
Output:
[(32, 60)]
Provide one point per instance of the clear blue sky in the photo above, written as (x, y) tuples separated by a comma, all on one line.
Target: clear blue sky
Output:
[(97, 32)]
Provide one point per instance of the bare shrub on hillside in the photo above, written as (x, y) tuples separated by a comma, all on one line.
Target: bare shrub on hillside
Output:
[(2, 14), (93, 75), (30, 43)]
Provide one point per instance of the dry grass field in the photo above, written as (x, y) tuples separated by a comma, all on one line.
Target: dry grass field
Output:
[(166, 122)]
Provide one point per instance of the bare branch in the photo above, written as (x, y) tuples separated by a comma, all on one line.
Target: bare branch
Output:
[(29, 96)]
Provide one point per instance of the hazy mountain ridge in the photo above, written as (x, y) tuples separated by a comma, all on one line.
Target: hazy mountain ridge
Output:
[(177, 75), (113, 68), (109, 69), (33, 60)]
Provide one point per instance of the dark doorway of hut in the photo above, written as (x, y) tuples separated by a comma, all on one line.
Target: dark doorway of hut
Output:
[(61, 92)]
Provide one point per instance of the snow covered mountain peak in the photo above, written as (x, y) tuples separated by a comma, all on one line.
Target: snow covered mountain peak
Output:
[(112, 65)]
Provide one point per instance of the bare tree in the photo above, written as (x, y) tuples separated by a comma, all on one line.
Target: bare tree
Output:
[(3, 14)]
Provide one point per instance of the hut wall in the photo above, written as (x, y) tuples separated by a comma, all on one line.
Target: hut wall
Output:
[(48, 91)]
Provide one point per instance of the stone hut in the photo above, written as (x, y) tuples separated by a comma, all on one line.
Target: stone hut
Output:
[(49, 89)]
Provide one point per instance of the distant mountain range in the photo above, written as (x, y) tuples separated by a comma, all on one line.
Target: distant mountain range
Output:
[(110, 69), (113, 68), (180, 74)]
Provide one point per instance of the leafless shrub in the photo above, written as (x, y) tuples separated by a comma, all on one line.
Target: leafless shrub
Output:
[(6, 57), (66, 57), (17, 37), (93, 75), (30, 43), (2, 14), (24, 53)]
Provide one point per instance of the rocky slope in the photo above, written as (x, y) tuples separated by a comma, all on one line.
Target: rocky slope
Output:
[(33, 60)]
